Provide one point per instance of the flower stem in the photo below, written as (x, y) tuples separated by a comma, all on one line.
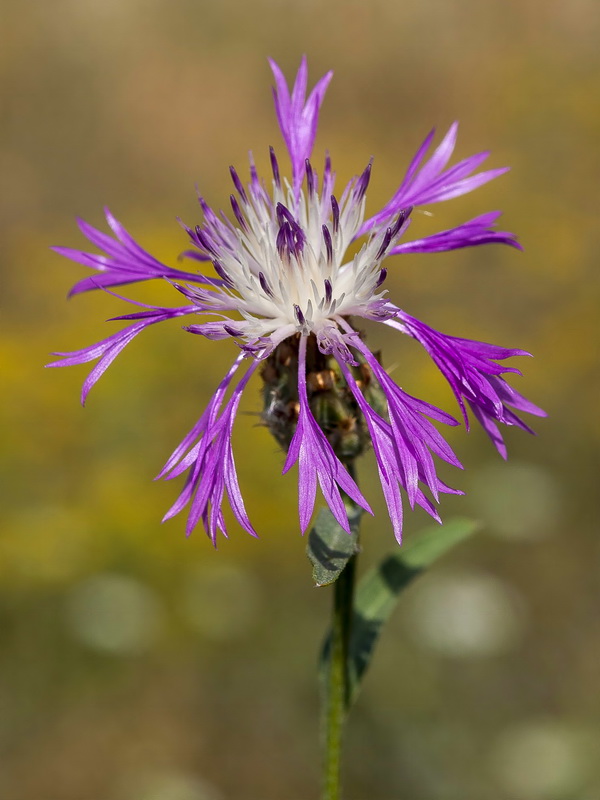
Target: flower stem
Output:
[(337, 686)]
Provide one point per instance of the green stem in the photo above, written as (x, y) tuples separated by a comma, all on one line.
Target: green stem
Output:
[(337, 680)]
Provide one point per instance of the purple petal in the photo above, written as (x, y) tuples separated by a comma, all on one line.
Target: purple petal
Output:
[(317, 461), (458, 188), (297, 117), (429, 183), (473, 375), (125, 261), (108, 349), (475, 232), (212, 471), (400, 449), (207, 419), (432, 168)]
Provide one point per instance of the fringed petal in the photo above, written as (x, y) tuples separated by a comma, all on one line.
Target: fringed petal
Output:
[(475, 232), (211, 464), (431, 183), (125, 261), (298, 117), (108, 349), (473, 375), (402, 445), (317, 461)]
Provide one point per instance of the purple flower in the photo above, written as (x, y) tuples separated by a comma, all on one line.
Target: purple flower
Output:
[(284, 285)]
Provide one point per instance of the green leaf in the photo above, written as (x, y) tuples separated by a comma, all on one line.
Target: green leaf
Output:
[(378, 591), (329, 547)]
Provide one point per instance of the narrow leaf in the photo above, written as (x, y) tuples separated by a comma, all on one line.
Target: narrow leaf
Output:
[(329, 547), (378, 591)]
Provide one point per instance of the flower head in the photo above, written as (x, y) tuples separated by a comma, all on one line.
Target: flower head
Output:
[(285, 290)]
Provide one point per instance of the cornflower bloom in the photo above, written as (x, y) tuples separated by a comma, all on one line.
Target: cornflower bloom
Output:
[(288, 295)]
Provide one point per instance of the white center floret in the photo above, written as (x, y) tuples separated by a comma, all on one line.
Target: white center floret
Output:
[(282, 267)]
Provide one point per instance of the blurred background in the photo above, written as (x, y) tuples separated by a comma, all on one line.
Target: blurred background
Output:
[(138, 665)]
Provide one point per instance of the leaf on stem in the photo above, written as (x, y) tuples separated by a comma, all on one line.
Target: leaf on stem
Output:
[(378, 591), (329, 547)]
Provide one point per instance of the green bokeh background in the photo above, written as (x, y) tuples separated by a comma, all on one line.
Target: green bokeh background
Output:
[(138, 665)]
